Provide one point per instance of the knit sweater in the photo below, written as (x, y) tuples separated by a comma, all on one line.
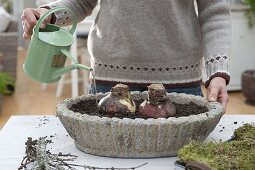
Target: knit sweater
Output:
[(140, 42)]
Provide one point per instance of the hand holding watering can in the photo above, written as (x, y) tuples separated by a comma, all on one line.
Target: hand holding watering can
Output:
[(48, 50)]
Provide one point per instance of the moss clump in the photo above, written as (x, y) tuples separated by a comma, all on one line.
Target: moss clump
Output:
[(238, 154), (246, 132)]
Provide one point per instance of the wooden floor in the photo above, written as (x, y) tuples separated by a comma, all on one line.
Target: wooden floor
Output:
[(31, 99)]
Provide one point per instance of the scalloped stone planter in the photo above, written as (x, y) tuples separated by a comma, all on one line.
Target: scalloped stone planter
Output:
[(138, 138)]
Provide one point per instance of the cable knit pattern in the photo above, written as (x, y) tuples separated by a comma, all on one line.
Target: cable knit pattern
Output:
[(156, 41)]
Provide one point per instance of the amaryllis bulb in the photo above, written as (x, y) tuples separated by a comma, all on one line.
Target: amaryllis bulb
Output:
[(118, 101), (158, 104)]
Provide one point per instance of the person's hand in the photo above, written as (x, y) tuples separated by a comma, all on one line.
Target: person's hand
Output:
[(217, 91), (30, 17)]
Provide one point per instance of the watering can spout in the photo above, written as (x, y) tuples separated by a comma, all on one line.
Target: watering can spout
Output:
[(60, 71), (80, 66)]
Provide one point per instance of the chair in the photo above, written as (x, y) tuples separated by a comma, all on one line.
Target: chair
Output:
[(8, 47)]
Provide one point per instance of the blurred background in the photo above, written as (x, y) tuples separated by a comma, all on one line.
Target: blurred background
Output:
[(19, 95)]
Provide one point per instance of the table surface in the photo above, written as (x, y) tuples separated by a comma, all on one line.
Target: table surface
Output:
[(18, 128)]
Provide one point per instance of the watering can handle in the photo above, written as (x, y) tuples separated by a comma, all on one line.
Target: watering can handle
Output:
[(51, 11)]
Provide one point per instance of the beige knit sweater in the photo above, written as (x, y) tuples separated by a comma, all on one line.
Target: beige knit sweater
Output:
[(155, 41)]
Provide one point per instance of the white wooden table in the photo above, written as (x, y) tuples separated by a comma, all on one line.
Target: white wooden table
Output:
[(14, 135)]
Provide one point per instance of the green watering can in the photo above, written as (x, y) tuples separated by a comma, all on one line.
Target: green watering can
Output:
[(48, 50)]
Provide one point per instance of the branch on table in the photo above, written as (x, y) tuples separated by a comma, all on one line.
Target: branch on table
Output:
[(43, 159)]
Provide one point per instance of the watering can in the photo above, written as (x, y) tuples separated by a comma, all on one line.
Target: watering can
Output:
[(48, 50)]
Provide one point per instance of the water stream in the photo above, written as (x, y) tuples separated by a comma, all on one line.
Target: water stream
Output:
[(94, 87)]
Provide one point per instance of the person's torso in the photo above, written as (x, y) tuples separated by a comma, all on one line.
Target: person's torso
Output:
[(132, 37)]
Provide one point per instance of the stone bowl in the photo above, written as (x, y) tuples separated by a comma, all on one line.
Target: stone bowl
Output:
[(138, 138)]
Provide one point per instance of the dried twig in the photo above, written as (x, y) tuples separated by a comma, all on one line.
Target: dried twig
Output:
[(45, 160)]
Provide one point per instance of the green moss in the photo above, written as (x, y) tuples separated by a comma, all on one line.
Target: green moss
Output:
[(247, 131), (238, 154)]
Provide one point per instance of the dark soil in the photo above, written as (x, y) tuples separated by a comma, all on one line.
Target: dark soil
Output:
[(90, 107)]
